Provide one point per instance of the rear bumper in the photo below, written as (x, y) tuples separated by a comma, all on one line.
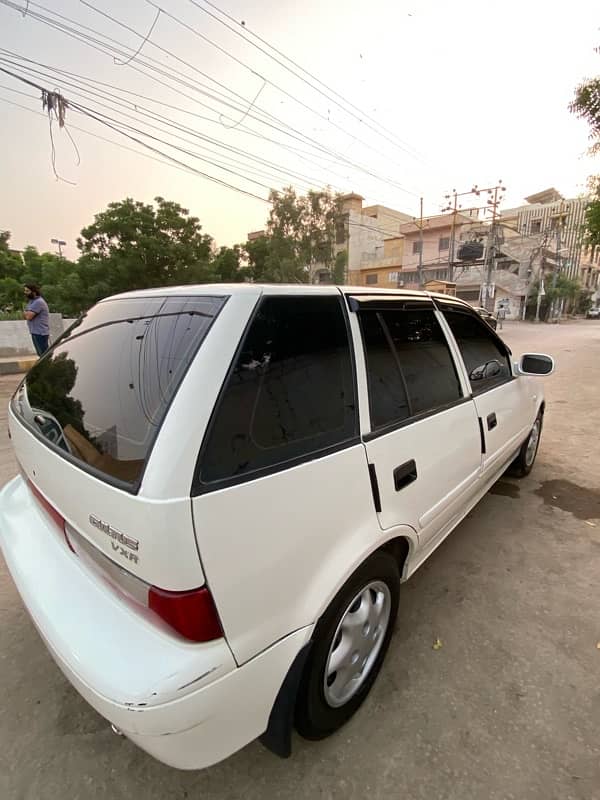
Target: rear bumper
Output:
[(186, 704)]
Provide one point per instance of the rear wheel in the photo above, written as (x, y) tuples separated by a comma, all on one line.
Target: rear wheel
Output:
[(524, 462), (349, 645)]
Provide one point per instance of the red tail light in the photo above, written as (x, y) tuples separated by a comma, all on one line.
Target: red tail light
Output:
[(192, 614), (54, 515)]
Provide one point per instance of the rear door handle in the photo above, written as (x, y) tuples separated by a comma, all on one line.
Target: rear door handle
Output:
[(404, 474), (491, 421)]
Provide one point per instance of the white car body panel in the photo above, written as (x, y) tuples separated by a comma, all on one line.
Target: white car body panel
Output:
[(270, 579), (167, 554)]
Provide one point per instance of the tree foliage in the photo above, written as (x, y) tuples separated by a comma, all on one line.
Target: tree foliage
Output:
[(302, 234), (135, 245), (592, 215)]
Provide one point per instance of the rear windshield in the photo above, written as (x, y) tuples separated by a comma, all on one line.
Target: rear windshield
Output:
[(101, 394)]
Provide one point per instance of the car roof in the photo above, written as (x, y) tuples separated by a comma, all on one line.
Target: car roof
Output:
[(256, 289)]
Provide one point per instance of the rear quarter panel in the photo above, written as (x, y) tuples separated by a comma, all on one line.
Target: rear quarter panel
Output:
[(276, 550)]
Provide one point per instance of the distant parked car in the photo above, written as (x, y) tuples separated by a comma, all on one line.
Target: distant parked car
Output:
[(593, 313), (488, 316)]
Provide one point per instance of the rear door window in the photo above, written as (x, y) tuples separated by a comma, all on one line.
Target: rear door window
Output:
[(100, 395), (290, 393), (410, 370)]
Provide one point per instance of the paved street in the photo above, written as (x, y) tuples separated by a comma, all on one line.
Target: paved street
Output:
[(509, 707)]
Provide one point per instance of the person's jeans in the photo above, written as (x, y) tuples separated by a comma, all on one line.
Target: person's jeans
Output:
[(40, 343)]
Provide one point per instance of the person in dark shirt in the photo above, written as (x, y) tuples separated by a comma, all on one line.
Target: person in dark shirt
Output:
[(38, 318)]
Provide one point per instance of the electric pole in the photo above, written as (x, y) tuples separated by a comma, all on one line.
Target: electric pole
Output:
[(454, 208), (420, 267), (420, 223), (494, 200)]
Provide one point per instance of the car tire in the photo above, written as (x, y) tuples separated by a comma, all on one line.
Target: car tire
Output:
[(348, 647), (523, 463)]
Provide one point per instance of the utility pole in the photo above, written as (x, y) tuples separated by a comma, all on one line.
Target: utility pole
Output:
[(454, 208), (420, 223), (493, 203), (494, 199), (557, 305), (420, 267)]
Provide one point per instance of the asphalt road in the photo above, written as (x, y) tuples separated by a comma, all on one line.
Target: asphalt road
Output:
[(508, 707)]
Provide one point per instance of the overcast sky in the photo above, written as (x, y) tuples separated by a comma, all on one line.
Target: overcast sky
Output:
[(456, 93)]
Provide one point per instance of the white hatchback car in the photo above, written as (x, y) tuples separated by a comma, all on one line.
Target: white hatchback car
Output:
[(223, 486)]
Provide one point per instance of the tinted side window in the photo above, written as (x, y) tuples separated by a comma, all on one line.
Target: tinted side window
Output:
[(388, 398), (486, 361), (290, 393), (409, 366)]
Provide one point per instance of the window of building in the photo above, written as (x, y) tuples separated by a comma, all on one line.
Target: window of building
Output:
[(393, 277), (340, 232), (290, 394), (416, 247), (444, 243), (486, 359), (371, 279), (536, 226), (409, 368)]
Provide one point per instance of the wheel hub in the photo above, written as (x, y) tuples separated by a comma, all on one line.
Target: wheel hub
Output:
[(356, 644)]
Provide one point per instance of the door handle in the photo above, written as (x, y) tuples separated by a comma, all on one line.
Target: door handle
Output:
[(404, 474), (491, 421)]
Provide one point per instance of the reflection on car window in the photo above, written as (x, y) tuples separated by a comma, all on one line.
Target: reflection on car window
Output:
[(409, 367), (290, 393), (101, 394), (486, 361)]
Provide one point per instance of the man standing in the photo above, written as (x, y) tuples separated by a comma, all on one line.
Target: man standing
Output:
[(38, 318)]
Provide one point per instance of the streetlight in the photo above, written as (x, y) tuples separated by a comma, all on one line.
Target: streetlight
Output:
[(60, 244)]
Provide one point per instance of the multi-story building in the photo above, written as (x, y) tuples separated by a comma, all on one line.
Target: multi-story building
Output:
[(363, 235), (553, 221)]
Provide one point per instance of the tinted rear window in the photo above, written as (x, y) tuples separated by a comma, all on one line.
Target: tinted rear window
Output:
[(290, 393), (101, 394)]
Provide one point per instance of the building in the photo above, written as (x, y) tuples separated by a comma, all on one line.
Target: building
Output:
[(430, 246), (589, 268), (254, 235), (553, 221), (363, 234)]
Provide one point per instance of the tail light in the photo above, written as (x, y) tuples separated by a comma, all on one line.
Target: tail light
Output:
[(56, 517), (191, 613)]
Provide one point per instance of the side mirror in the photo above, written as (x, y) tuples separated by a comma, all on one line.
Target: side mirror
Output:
[(536, 364)]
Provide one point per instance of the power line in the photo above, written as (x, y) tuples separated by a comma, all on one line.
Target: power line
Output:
[(89, 133), (207, 39), (89, 113), (363, 115), (237, 60), (294, 134), (273, 167)]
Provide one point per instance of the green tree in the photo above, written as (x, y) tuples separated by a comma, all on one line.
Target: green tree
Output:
[(11, 263), (226, 265), (302, 232), (134, 245), (592, 215), (586, 105), (339, 271)]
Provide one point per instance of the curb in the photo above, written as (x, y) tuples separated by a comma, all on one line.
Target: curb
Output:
[(17, 366)]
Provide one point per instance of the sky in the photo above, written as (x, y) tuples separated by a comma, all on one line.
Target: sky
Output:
[(444, 96)]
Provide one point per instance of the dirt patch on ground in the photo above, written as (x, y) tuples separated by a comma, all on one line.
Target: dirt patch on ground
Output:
[(578, 500)]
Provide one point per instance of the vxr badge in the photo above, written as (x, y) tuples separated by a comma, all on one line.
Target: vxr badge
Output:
[(121, 543)]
